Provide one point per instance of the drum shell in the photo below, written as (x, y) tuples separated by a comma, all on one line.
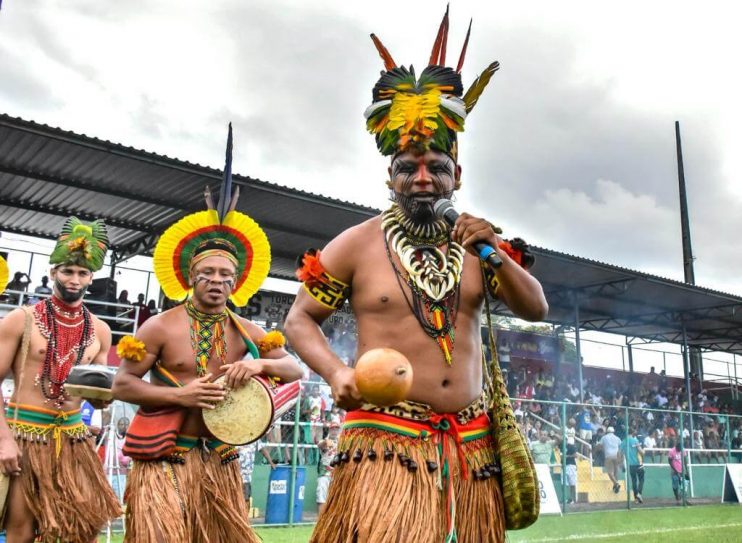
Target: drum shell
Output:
[(224, 421)]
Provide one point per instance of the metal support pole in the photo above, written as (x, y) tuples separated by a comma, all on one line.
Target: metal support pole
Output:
[(577, 346), (728, 436), (565, 485), (292, 481), (681, 446), (623, 360), (631, 363), (30, 266), (626, 452), (686, 370), (146, 296), (112, 275)]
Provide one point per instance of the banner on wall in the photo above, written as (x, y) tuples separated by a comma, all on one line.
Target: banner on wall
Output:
[(272, 307), (527, 345), (549, 501), (732, 488)]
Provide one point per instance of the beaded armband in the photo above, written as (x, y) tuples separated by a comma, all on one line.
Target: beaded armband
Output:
[(320, 285), (490, 278), (516, 249), (272, 340)]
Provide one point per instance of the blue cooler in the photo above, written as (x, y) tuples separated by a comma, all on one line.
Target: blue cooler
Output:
[(277, 507)]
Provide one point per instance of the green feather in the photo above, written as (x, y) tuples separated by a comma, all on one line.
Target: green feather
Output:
[(476, 89)]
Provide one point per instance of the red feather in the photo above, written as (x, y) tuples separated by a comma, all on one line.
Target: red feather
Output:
[(440, 40), (463, 49), (389, 63), (442, 58)]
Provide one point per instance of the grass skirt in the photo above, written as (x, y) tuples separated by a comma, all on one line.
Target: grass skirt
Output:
[(398, 480), (198, 500), (66, 490)]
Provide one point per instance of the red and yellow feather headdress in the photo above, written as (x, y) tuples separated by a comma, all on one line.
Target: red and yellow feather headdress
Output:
[(425, 112), (216, 231), (4, 274)]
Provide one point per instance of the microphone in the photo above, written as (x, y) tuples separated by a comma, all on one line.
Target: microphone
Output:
[(444, 210)]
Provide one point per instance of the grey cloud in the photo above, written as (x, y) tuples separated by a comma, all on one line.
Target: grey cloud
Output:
[(22, 88), (302, 88), (540, 140)]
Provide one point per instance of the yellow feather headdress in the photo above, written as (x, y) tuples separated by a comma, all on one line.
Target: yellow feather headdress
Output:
[(425, 112), (221, 230), (4, 274)]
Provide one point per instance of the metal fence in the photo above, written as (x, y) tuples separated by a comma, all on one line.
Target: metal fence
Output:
[(121, 318), (591, 471)]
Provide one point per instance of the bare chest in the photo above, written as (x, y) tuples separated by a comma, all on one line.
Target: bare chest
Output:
[(185, 343), (382, 284)]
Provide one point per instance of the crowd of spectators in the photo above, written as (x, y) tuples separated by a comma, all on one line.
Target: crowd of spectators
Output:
[(654, 403)]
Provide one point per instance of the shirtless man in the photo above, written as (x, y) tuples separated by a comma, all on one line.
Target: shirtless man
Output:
[(377, 265), (195, 493), (58, 489)]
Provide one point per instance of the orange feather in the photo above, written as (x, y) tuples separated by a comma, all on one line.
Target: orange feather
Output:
[(439, 42), (463, 49), (389, 63)]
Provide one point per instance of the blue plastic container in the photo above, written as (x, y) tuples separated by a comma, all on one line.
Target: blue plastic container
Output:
[(279, 484)]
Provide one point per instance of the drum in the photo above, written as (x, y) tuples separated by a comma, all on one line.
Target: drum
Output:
[(92, 382), (4, 487), (247, 413)]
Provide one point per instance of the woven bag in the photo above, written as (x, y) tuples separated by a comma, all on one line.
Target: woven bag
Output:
[(520, 489)]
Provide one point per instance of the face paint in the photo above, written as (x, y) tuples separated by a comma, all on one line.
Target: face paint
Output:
[(229, 283)]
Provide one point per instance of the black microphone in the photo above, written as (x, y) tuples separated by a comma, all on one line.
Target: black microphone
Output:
[(444, 210)]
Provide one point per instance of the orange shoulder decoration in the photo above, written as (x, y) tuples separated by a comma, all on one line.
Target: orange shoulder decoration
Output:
[(320, 285), (310, 270), (272, 340), (131, 348)]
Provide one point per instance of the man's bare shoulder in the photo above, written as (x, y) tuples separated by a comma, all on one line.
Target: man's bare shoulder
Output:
[(162, 321), (253, 329), (13, 322), (339, 255), (99, 324)]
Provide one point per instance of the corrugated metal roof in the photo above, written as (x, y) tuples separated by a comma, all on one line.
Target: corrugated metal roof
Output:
[(47, 174)]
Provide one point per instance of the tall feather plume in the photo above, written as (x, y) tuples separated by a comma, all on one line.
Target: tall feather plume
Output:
[(440, 43), (472, 95), (460, 65), (225, 192), (389, 63)]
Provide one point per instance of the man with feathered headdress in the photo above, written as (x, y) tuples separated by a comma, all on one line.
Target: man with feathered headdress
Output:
[(185, 484), (58, 490), (424, 469)]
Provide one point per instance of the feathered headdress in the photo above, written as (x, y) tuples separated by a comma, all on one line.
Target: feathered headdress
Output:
[(4, 274), (425, 112), (218, 231), (81, 244)]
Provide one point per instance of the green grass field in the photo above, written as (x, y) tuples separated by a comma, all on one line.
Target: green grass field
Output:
[(700, 524)]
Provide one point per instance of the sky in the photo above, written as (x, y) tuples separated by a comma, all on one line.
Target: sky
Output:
[(572, 146)]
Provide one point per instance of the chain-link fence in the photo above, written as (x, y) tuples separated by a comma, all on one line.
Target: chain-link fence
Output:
[(606, 456)]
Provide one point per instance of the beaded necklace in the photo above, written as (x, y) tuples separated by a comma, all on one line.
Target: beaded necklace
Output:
[(434, 277), (207, 336), (68, 332)]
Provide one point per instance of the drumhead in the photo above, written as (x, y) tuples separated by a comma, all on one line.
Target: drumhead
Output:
[(244, 416), (88, 392)]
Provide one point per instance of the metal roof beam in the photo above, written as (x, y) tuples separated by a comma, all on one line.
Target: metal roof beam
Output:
[(64, 212), (88, 186)]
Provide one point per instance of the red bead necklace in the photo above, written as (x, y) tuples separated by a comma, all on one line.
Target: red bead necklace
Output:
[(68, 331)]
